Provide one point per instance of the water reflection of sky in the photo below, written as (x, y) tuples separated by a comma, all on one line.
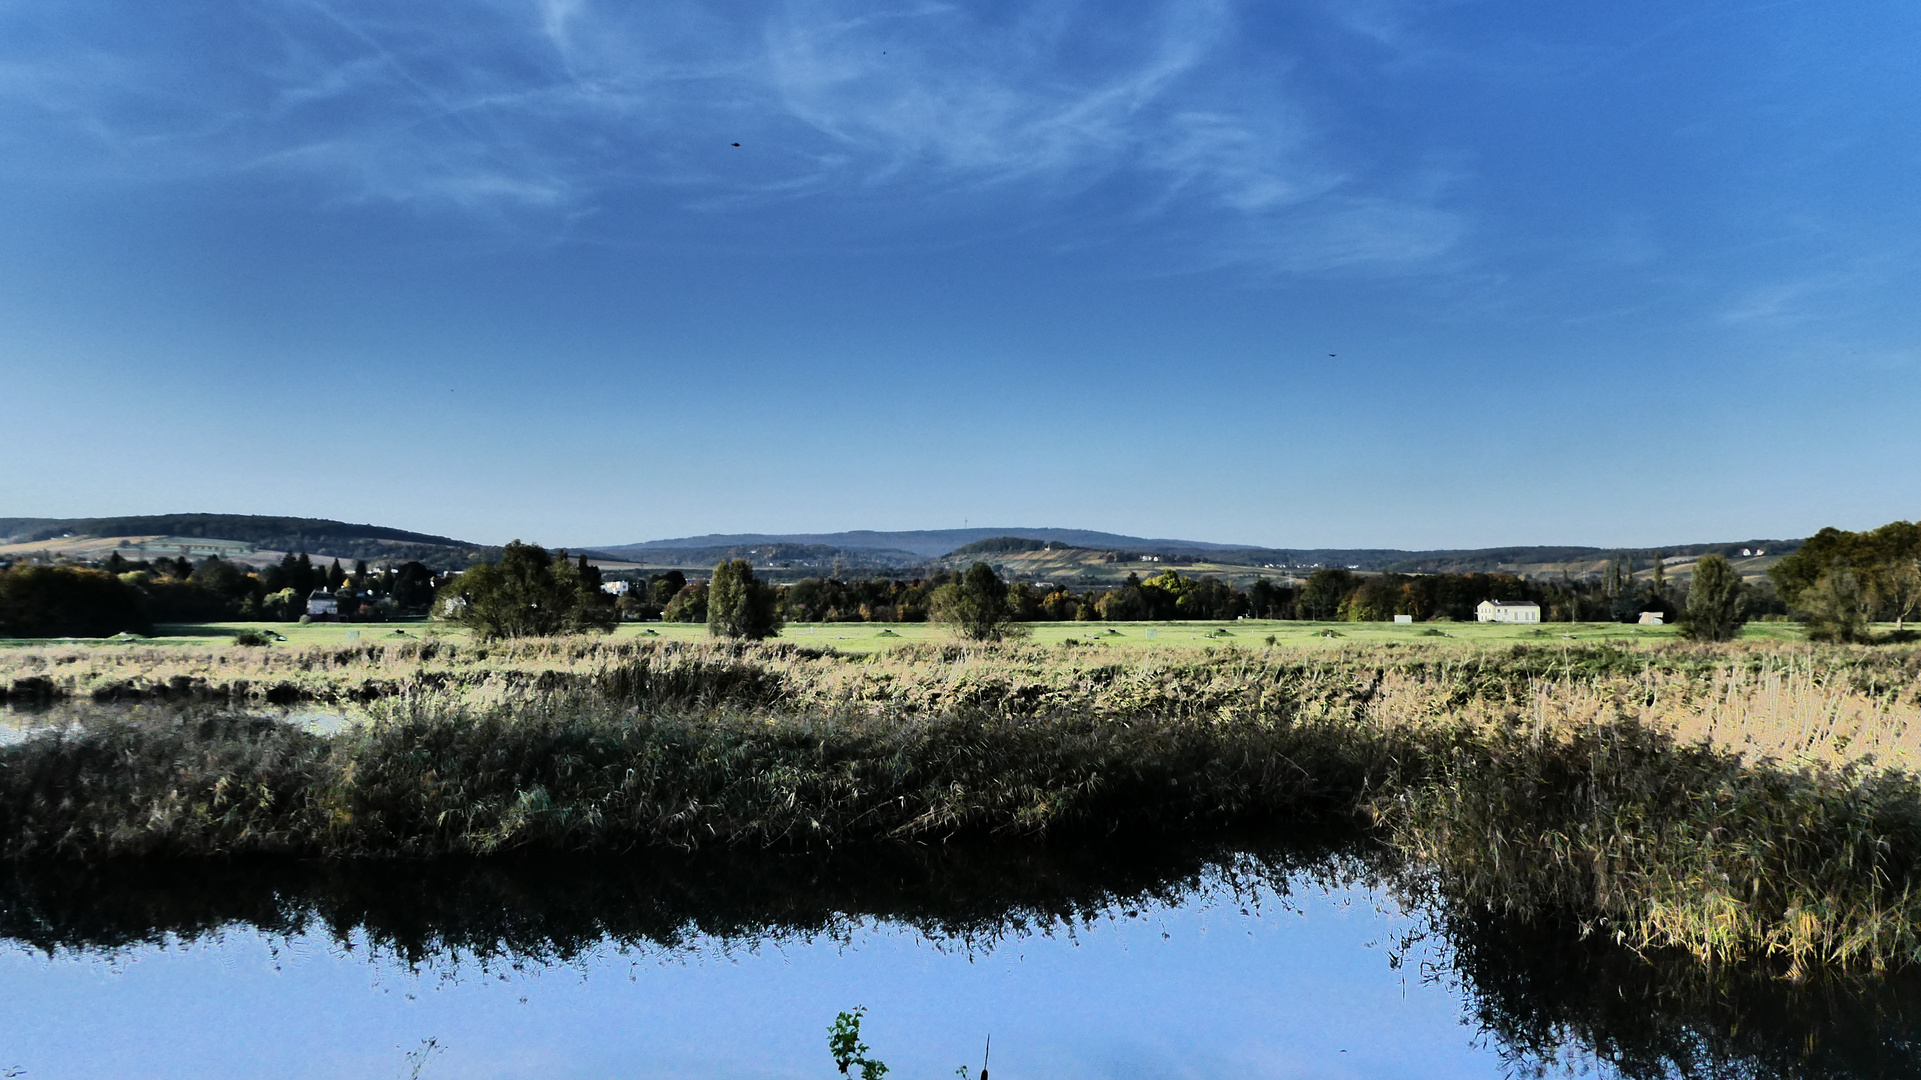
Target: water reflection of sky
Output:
[(21, 721), (1195, 990)]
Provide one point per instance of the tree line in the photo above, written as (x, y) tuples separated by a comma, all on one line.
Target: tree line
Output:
[(126, 596), (1329, 594), (529, 590), (1838, 582)]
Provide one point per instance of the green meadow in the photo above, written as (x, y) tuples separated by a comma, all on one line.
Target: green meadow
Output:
[(862, 637)]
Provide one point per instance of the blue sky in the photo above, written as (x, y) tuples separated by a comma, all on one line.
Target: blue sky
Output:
[(1633, 273)]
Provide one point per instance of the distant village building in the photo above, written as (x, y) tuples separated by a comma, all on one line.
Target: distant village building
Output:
[(1515, 611), (1754, 553), (184, 547), (322, 604), (617, 588)]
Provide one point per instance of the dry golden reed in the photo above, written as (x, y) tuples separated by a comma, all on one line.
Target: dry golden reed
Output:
[(1733, 802)]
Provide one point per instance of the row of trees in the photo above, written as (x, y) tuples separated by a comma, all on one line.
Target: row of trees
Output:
[(1327, 594), (68, 601), (119, 595), (1838, 582), (530, 591), (180, 591)]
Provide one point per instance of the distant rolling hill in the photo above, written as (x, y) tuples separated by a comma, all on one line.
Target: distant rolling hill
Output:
[(1082, 555), (805, 560), (926, 543), (1086, 553), (320, 537)]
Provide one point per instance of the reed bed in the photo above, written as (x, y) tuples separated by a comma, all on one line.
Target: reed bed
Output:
[(1798, 703), (1728, 803)]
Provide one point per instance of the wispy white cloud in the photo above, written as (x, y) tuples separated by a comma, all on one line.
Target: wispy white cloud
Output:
[(1800, 300), (1136, 112)]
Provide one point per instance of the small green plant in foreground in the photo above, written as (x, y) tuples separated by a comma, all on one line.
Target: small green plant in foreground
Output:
[(843, 1042), (419, 1056)]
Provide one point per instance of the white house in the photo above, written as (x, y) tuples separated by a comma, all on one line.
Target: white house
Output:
[(1508, 611)]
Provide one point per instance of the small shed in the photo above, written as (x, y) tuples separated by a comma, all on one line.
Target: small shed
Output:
[(322, 604), (1653, 618)]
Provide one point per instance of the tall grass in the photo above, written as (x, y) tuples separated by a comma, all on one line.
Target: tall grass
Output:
[(567, 775), (1793, 702), (1665, 845)]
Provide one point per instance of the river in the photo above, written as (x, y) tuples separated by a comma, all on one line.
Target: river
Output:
[(1243, 960)]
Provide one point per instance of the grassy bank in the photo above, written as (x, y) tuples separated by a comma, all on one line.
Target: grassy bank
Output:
[(1712, 800), (1792, 701)]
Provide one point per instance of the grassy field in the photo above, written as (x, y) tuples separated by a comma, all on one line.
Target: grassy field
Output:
[(873, 637)]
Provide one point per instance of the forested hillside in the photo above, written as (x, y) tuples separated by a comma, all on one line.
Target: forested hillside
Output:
[(316, 536)]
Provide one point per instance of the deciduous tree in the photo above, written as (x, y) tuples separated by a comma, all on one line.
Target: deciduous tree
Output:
[(527, 593), (1834, 607), (688, 605), (65, 601), (976, 607), (1714, 611), (739, 605)]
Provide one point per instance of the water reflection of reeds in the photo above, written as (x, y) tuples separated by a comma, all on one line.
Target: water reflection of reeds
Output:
[(1550, 999), (1654, 842)]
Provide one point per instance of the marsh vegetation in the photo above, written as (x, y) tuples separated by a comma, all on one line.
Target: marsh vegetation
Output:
[(1733, 804)]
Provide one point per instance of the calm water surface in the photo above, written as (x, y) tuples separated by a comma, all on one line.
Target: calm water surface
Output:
[(1205, 985)]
